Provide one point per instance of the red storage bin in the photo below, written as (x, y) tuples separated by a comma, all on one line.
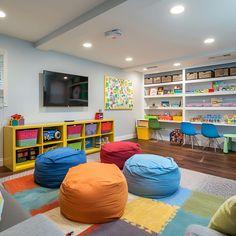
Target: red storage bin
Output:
[(26, 137), (106, 127), (74, 131)]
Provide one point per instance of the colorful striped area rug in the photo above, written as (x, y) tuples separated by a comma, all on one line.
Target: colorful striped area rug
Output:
[(142, 217)]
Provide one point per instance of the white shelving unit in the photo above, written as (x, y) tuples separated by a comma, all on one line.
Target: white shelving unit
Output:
[(210, 94), (163, 84), (187, 98), (165, 96), (210, 108), (163, 108)]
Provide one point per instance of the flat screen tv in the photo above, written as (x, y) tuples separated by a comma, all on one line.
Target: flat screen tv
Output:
[(61, 89)]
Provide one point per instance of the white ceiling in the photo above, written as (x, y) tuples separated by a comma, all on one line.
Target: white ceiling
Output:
[(151, 35)]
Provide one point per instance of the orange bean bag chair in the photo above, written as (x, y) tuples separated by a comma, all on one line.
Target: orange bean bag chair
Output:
[(93, 193)]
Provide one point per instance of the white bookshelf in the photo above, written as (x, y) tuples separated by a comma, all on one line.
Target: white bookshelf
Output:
[(163, 84), (210, 108), (185, 98), (211, 94), (210, 80), (163, 108), (165, 96)]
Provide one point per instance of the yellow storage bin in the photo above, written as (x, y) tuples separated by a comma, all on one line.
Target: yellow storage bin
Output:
[(143, 133), (178, 118)]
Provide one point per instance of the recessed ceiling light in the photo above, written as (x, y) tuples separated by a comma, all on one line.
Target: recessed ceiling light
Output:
[(177, 9), (2, 14), (129, 59), (209, 40), (177, 64), (144, 69), (87, 45), (65, 77)]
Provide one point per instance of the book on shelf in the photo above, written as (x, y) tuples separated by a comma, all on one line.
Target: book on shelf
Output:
[(216, 102), (153, 91)]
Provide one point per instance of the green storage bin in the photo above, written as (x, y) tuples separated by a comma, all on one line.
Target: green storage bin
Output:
[(75, 145), (148, 117)]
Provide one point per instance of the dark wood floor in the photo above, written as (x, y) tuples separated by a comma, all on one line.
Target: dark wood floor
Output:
[(205, 161), (209, 162)]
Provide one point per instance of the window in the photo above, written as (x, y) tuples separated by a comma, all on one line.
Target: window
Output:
[(3, 79)]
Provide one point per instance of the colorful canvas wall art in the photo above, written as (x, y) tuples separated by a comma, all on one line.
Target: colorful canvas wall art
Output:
[(118, 94)]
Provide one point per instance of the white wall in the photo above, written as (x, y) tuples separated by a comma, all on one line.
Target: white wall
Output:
[(24, 64)]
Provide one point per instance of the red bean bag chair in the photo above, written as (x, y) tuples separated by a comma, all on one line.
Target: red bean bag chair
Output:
[(93, 193), (118, 152)]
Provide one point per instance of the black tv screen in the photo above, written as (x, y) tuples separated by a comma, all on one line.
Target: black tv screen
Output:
[(61, 89)]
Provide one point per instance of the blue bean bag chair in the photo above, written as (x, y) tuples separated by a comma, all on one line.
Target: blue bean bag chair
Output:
[(52, 166), (152, 176)]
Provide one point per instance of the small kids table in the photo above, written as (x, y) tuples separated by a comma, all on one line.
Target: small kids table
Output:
[(228, 142)]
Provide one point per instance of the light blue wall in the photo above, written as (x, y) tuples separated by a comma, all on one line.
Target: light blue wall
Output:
[(24, 64)]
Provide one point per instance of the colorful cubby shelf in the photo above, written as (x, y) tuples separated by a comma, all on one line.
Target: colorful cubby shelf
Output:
[(92, 134)]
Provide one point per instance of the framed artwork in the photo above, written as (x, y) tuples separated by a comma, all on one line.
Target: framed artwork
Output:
[(118, 93)]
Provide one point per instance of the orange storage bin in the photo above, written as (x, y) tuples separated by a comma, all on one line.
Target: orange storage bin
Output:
[(106, 127)]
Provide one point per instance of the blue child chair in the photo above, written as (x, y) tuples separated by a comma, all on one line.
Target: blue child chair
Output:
[(210, 131), (189, 130)]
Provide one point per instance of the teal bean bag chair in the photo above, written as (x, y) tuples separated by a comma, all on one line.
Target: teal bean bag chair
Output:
[(52, 166), (152, 176)]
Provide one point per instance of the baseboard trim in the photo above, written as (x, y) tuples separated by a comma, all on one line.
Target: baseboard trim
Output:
[(125, 137)]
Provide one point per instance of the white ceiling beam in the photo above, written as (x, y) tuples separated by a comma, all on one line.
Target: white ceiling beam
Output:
[(98, 10)]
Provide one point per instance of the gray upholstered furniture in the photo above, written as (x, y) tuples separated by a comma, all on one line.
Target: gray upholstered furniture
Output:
[(199, 230), (38, 225), (16, 221)]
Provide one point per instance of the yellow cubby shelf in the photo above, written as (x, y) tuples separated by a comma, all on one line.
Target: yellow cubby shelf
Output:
[(51, 143), (26, 147), (25, 165), (75, 139), (11, 149), (92, 150)]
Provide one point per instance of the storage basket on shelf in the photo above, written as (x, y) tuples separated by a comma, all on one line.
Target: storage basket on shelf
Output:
[(221, 72), (177, 118), (166, 79), (26, 137), (148, 81), (74, 131), (157, 80), (233, 71), (75, 145), (90, 129), (176, 78), (192, 76), (205, 74), (106, 127)]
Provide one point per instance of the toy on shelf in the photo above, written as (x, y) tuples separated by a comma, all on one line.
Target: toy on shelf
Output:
[(89, 143), (104, 140), (217, 86), (160, 91), (165, 103), (16, 120), (51, 134), (216, 102), (98, 142), (208, 118), (177, 89), (26, 154), (99, 115), (230, 119)]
